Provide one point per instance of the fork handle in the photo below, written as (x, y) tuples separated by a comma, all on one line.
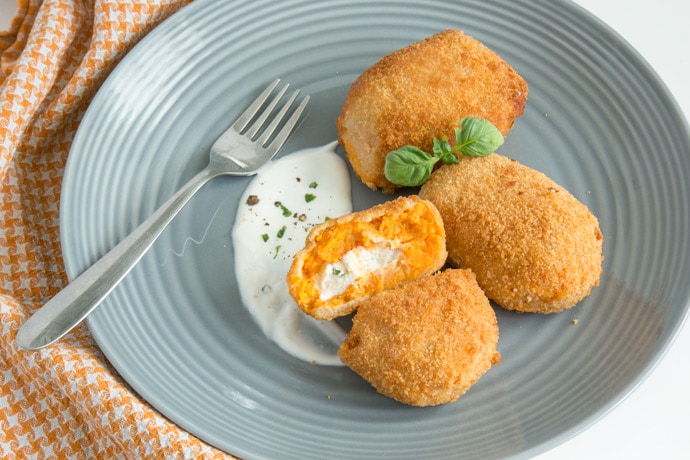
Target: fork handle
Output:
[(74, 303)]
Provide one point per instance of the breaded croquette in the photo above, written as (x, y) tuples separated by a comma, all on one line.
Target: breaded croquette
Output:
[(533, 246), (426, 342), (420, 92), (347, 259)]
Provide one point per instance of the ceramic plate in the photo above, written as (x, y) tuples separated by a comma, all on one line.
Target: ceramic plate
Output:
[(598, 121)]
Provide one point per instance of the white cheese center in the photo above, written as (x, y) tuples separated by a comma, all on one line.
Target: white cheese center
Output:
[(335, 278)]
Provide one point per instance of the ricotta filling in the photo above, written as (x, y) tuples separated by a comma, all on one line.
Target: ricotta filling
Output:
[(335, 278)]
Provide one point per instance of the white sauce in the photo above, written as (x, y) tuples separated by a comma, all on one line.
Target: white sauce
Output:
[(267, 234)]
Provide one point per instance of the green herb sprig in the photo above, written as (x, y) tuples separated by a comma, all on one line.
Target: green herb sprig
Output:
[(411, 166)]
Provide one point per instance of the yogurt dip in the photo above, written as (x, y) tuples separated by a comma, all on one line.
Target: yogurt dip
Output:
[(285, 199)]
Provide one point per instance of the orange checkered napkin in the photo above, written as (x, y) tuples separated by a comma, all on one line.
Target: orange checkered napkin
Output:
[(63, 401)]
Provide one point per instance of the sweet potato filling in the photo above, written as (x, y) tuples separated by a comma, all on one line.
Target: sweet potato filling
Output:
[(400, 245)]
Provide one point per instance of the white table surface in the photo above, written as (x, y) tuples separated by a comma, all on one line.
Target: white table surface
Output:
[(7, 8), (652, 423)]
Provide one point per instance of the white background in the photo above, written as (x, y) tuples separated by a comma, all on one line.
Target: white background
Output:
[(652, 423), (7, 8)]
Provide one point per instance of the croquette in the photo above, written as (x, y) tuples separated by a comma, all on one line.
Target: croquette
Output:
[(533, 246), (420, 92), (349, 258), (426, 342)]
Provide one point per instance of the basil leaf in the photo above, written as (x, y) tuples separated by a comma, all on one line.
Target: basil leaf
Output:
[(450, 159), (477, 138), (408, 166), (444, 152), (441, 148)]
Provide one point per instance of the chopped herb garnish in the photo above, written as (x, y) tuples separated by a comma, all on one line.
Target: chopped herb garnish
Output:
[(309, 197), (264, 237), (286, 211), (313, 185), (277, 250), (281, 232)]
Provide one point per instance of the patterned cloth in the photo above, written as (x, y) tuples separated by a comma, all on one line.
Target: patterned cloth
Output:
[(63, 401)]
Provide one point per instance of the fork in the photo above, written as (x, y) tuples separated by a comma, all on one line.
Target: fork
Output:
[(240, 151)]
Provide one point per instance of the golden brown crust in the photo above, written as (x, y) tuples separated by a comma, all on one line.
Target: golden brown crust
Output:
[(409, 225), (422, 91), (533, 246), (426, 342)]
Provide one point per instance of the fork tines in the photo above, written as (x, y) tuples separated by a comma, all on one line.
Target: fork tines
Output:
[(252, 120)]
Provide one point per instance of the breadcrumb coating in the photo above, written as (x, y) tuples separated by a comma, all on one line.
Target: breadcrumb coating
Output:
[(426, 342), (422, 91), (533, 246)]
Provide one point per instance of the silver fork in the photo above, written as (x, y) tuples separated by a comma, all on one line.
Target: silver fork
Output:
[(240, 151)]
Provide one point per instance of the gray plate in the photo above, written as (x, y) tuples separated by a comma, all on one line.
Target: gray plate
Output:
[(598, 121)]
